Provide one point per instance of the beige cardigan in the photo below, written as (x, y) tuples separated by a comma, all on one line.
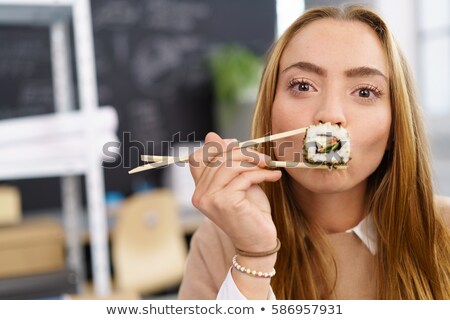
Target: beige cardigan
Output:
[(211, 252)]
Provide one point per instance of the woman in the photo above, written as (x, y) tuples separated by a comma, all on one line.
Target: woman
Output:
[(372, 231)]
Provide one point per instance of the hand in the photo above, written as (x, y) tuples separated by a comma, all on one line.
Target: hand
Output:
[(227, 192)]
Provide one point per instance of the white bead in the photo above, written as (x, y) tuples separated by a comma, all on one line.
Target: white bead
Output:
[(251, 272)]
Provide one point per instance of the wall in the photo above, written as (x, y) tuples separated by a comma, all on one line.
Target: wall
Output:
[(151, 58)]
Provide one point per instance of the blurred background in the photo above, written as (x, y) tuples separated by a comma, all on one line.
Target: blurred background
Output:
[(87, 87)]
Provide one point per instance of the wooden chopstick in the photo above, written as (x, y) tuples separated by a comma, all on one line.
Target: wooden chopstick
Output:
[(272, 164), (292, 164), (154, 165), (151, 158), (165, 160), (272, 137), (244, 144)]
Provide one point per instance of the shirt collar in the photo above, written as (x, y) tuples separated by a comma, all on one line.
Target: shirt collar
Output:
[(365, 230)]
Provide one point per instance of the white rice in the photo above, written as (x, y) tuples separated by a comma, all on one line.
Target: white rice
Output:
[(317, 136)]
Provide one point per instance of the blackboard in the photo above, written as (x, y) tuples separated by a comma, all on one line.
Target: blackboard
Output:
[(25, 72), (151, 60)]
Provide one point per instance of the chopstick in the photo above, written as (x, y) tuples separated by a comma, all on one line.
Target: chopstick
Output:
[(164, 160), (148, 158), (292, 164), (271, 164)]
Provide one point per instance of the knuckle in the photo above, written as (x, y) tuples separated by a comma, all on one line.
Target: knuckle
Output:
[(238, 208), (217, 202), (245, 176), (195, 160), (203, 201), (197, 200)]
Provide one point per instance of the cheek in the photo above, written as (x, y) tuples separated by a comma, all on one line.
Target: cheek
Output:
[(370, 141), (287, 117), (373, 133), (280, 117), (289, 114)]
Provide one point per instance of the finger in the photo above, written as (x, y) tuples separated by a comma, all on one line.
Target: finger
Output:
[(220, 173), (215, 178), (213, 147), (212, 136), (247, 179)]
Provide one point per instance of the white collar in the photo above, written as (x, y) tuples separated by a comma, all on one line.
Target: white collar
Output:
[(365, 230)]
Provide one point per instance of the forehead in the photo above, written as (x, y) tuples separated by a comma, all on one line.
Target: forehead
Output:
[(334, 44)]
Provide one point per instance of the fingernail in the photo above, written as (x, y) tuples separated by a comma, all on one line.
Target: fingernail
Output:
[(231, 143)]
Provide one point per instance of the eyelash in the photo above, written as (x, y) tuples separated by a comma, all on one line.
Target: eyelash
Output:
[(295, 82), (372, 88)]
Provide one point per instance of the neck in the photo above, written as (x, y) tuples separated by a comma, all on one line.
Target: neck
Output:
[(334, 212)]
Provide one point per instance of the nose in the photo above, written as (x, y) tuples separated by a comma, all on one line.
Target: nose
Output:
[(331, 109)]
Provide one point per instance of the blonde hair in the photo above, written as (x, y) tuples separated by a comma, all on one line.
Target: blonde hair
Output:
[(410, 263)]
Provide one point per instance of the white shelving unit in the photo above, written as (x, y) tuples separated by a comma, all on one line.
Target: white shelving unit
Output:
[(57, 15)]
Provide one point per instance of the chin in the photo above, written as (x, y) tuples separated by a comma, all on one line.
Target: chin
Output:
[(322, 181)]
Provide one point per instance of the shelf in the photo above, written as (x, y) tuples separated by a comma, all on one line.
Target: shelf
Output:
[(64, 167), (20, 12), (189, 221), (53, 145), (57, 15)]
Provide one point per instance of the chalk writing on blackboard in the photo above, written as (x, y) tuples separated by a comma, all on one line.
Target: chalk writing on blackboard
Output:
[(118, 13), (175, 15), (156, 57)]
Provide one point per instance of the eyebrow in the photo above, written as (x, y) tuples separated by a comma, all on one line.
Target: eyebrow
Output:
[(307, 66), (364, 72), (351, 73)]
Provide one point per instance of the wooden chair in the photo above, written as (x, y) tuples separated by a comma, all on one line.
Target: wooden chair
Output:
[(148, 247)]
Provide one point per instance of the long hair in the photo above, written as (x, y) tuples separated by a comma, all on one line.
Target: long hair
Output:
[(413, 259)]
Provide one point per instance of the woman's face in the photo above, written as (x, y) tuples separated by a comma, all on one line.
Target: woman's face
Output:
[(334, 71)]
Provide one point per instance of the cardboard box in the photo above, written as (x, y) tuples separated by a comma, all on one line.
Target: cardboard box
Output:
[(10, 205), (32, 247)]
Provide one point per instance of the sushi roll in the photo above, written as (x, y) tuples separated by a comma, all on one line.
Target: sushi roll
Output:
[(326, 144)]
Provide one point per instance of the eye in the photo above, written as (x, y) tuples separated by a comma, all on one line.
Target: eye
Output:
[(364, 93), (367, 92), (301, 85)]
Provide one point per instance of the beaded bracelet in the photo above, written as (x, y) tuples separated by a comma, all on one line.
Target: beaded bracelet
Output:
[(253, 273)]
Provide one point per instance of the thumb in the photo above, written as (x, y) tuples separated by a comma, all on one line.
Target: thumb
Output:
[(214, 142), (226, 143), (214, 145), (212, 136)]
